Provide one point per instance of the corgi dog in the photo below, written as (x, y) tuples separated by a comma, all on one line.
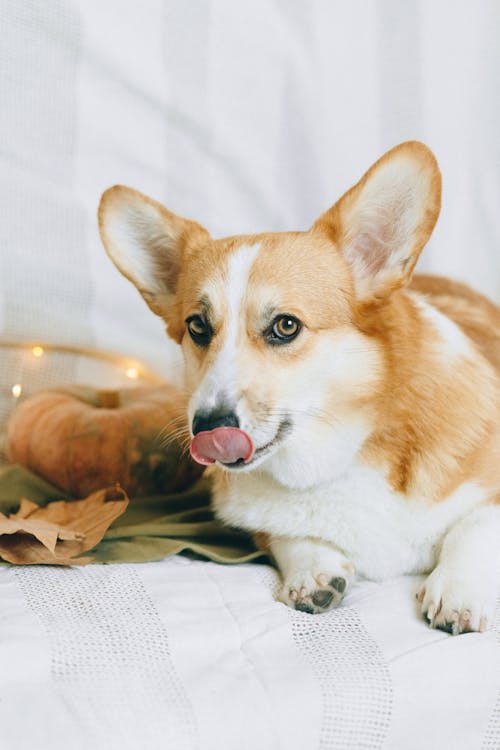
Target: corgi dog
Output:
[(350, 411)]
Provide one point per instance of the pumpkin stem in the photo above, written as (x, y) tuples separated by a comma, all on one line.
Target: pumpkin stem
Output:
[(108, 399)]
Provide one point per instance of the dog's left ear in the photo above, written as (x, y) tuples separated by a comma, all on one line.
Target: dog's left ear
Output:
[(384, 221)]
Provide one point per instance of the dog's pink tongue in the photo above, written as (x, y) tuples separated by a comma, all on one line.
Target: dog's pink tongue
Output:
[(224, 444)]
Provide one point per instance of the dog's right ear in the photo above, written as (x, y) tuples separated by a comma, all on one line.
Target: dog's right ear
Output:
[(145, 241)]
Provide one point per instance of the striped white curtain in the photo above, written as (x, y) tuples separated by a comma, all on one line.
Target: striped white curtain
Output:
[(245, 116)]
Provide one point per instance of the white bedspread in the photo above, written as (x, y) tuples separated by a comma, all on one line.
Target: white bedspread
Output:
[(182, 654)]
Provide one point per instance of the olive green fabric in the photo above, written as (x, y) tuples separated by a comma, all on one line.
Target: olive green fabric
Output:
[(151, 528)]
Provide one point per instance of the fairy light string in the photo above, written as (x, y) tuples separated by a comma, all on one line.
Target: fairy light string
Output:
[(37, 350)]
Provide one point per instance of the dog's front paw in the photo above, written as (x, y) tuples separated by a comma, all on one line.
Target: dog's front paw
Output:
[(316, 592), (457, 603)]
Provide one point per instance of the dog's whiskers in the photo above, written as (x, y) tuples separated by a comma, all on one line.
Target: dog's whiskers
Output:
[(175, 436)]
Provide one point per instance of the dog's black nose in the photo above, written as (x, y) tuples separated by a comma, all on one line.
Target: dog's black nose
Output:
[(208, 420)]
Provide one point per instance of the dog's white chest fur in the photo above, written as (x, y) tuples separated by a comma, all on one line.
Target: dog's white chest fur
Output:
[(383, 533)]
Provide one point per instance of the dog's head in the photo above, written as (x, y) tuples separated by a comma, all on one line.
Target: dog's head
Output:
[(271, 325)]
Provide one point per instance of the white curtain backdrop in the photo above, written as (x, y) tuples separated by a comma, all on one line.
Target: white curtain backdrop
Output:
[(244, 115)]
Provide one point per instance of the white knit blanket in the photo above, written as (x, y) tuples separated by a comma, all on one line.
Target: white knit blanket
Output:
[(182, 654)]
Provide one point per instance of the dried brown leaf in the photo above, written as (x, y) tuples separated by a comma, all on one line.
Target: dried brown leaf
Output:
[(57, 533)]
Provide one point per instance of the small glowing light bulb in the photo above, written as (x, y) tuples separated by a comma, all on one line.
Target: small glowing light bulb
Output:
[(17, 390), (132, 373), (38, 351)]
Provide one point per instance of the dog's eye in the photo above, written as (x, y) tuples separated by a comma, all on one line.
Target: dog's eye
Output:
[(284, 329), (199, 330)]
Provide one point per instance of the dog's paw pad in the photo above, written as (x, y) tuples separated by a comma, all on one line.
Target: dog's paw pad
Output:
[(314, 593), (322, 598), (339, 584)]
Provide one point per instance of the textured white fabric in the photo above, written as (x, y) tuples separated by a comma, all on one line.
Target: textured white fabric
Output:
[(188, 654), (492, 736), (111, 670)]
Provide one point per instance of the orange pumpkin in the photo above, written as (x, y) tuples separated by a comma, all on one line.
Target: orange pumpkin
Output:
[(82, 440)]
